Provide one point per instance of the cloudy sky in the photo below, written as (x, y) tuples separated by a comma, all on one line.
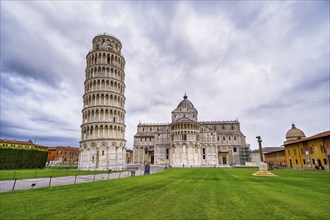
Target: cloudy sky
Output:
[(263, 63)]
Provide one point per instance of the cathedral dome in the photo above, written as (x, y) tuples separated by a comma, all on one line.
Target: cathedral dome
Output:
[(186, 102), (294, 134)]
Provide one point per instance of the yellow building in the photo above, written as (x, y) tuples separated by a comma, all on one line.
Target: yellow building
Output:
[(21, 144), (310, 152)]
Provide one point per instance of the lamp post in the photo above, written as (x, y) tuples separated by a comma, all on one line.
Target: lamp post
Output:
[(260, 149)]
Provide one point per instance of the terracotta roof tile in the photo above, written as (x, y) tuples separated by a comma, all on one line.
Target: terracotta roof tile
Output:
[(268, 149)]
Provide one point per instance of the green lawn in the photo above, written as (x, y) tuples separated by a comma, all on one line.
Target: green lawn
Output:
[(36, 173), (208, 193)]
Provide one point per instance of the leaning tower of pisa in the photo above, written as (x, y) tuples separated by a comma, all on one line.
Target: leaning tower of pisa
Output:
[(103, 144)]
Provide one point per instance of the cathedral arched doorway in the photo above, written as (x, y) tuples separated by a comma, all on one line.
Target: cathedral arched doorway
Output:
[(152, 158), (149, 153), (224, 160)]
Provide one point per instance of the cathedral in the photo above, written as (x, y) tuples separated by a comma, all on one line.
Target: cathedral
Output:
[(187, 142)]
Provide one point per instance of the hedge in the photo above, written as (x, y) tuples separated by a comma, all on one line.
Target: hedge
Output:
[(22, 158)]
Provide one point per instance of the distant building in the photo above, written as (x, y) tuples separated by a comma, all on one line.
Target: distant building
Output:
[(255, 154), (21, 144), (189, 142), (294, 134), (276, 157), (61, 155), (307, 152), (129, 156)]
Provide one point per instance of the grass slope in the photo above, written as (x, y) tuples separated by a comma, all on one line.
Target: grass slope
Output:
[(207, 193), (38, 173)]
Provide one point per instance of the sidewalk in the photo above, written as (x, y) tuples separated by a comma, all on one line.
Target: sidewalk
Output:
[(24, 184)]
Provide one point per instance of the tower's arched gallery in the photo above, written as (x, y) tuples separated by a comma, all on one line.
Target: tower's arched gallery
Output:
[(103, 144), (189, 142)]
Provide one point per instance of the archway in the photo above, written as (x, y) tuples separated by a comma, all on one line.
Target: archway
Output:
[(224, 160)]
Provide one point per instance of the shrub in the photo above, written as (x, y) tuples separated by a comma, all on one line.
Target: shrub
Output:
[(22, 158)]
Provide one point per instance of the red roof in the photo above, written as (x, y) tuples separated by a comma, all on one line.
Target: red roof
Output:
[(267, 149), (275, 150), (64, 148)]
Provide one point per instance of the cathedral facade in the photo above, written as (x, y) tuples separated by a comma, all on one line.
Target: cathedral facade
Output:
[(187, 142)]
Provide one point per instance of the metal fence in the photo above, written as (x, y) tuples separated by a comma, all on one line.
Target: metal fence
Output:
[(24, 184)]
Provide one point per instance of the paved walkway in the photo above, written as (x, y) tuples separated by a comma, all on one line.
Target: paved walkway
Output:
[(24, 184)]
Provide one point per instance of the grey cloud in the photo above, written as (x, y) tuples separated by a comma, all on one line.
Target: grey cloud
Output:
[(37, 55), (58, 141), (28, 59), (304, 15)]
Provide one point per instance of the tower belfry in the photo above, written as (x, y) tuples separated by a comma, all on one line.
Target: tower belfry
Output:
[(103, 144)]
